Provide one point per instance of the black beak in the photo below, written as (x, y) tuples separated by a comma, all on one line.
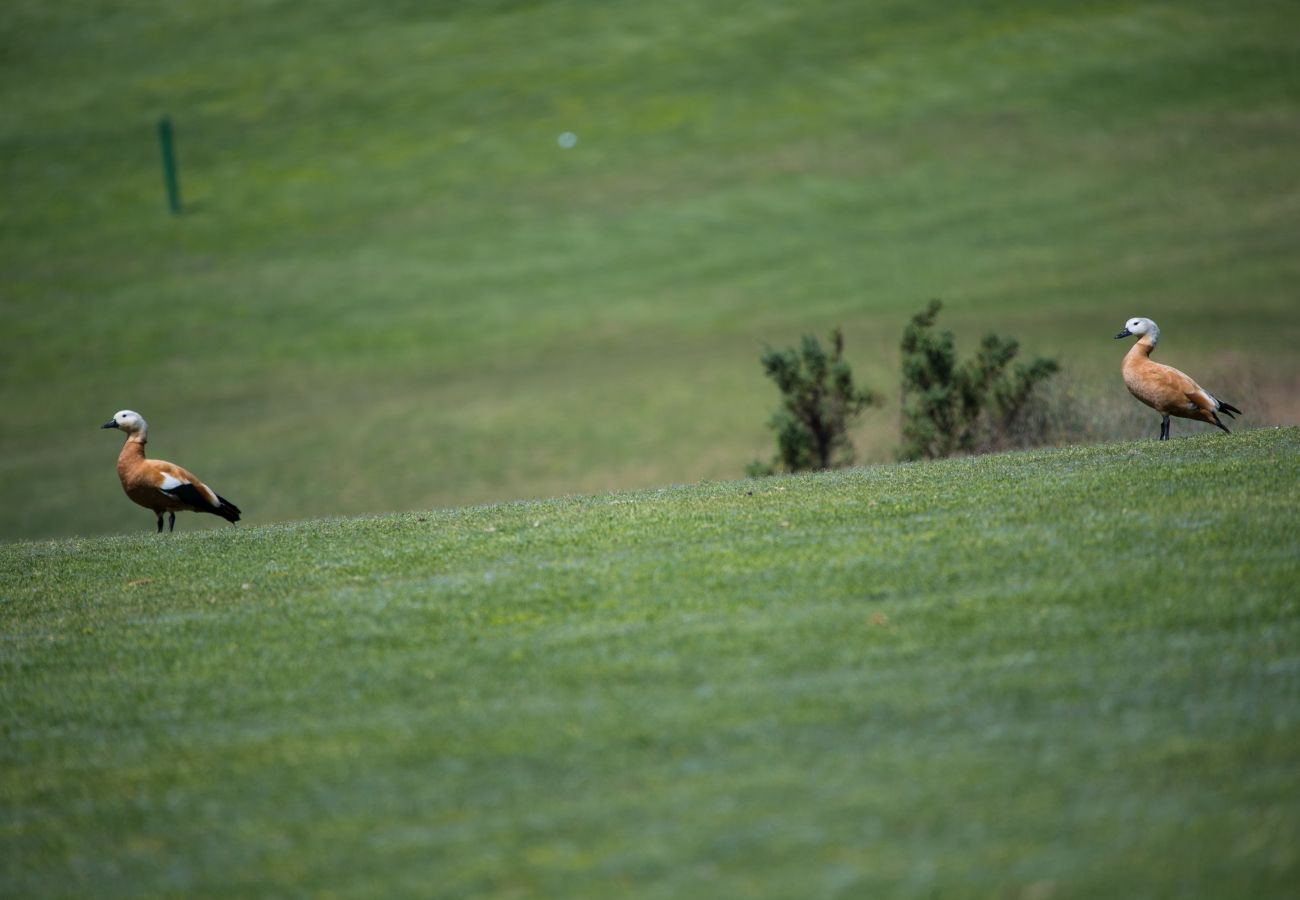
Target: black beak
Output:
[(1124, 333), (111, 423)]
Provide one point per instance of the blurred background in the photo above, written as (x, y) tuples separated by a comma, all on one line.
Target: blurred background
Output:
[(442, 253)]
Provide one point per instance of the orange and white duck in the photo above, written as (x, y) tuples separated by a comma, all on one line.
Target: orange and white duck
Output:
[(1164, 388), (159, 485)]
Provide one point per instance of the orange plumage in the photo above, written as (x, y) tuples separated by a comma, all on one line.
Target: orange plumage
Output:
[(1164, 388), (158, 485)]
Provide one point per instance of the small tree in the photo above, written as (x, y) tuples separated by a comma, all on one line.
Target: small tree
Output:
[(818, 403), (949, 408)]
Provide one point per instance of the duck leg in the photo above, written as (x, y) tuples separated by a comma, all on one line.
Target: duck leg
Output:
[(160, 522), (1164, 429), (171, 521)]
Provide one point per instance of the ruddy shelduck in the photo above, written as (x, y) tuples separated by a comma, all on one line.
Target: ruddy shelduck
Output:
[(162, 486), (1164, 388)]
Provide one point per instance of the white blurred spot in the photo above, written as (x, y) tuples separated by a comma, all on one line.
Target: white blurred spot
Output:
[(567, 140)]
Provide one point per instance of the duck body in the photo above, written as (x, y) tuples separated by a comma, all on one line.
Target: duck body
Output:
[(158, 485), (1165, 389)]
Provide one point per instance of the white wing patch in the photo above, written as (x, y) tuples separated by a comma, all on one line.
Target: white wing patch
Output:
[(170, 482)]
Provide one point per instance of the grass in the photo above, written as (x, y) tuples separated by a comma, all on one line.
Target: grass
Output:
[(393, 290), (1066, 673), (1055, 674)]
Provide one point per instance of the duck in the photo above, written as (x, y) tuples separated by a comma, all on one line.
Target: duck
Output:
[(158, 485), (1164, 388)]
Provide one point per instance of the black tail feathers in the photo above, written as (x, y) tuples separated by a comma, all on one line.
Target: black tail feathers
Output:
[(1229, 410), (227, 510), (197, 501)]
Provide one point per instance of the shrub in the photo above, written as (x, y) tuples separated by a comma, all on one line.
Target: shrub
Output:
[(975, 406), (818, 403)]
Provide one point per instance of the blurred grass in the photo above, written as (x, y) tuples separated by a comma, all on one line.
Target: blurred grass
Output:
[(393, 290)]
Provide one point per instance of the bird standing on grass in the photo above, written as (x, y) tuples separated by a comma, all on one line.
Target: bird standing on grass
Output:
[(1164, 388), (158, 485)]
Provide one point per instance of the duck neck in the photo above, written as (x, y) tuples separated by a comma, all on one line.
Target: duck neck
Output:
[(1145, 345), (132, 452)]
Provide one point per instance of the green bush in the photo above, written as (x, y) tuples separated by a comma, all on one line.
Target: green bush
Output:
[(976, 406), (818, 403)]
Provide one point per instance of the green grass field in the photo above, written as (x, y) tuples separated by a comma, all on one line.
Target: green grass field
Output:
[(1057, 674), (392, 289), (1061, 674)]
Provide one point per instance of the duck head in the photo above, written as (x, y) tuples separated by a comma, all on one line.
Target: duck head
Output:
[(130, 421), (1141, 326)]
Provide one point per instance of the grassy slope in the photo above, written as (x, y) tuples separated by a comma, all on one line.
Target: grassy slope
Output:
[(1066, 673), (394, 290)]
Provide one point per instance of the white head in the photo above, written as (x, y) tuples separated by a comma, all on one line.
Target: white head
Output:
[(131, 422), (1140, 325)]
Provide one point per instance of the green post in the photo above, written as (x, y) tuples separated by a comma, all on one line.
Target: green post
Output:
[(169, 165)]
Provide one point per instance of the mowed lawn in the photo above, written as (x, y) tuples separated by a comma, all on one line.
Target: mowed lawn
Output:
[(393, 289), (1056, 674)]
